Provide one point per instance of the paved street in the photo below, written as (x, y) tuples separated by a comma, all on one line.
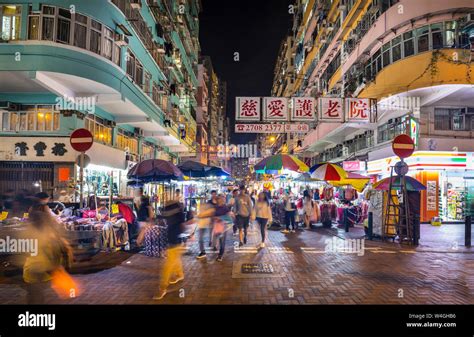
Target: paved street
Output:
[(303, 274)]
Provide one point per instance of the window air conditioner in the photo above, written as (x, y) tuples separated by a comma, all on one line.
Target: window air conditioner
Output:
[(136, 4)]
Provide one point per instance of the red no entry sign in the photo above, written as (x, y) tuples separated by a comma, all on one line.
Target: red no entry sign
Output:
[(81, 140), (403, 146)]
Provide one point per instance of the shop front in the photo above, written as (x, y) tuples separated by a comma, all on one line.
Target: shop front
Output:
[(106, 173), (37, 164), (448, 177)]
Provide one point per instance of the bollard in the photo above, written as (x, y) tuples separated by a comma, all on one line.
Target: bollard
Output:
[(467, 234), (370, 230), (346, 222)]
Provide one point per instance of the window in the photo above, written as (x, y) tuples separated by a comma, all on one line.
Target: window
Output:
[(138, 73), (80, 31), (108, 43), (101, 132), (148, 151), (31, 118), (127, 141), (450, 33), (386, 54), (131, 65), (10, 16), (423, 39), (117, 54), (48, 23), (33, 27), (408, 44), (95, 36), (396, 48), (436, 36), (146, 84), (64, 26), (452, 119)]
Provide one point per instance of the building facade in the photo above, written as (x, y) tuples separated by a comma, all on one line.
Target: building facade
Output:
[(415, 59), (127, 71)]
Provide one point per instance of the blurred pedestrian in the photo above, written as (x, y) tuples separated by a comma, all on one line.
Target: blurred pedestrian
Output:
[(308, 206), (206, 211), (222, 221), (172, 273), (145, 217), (263, 215), (53, 253), (231, 205), (243, 210), (290, 210)]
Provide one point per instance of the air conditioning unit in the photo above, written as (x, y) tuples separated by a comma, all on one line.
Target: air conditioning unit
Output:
[(136, 4), (121, 39), (138, 132), (9, 106)]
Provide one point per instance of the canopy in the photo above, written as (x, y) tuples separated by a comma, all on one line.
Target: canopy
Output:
[(353, 179), (217, 172), (278, 163), (194, 169), (411, 184), (328, 172), (154, 170)]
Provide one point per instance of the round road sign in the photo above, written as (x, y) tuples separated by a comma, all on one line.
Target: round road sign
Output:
[(81, 140), (403, 146)]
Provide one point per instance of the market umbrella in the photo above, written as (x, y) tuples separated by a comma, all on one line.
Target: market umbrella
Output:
[(194, 169), (411, 183), (277, 163), (215, 171), (329, 172), (155, 170), (353, 179)]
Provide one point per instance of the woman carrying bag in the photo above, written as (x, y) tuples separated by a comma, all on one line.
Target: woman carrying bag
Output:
[(262, 212)]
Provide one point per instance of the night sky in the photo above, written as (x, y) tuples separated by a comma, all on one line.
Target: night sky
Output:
[(255, 29)]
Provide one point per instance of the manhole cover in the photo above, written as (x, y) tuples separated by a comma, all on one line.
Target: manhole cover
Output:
[(249, 269), (256, 268)]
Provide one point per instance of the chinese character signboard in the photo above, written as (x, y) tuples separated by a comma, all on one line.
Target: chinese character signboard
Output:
[(358, 110), (247, 108), (330, 109), (275, 109), (303, 109)]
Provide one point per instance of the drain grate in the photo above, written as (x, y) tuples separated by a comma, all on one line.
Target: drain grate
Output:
[(257, 268)]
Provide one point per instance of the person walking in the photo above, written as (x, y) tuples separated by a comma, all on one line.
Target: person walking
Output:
[(231, 204), (145, 217), (213, 203), (290, 210), (308, 206), (172, 272), (206, 211), (53, 253), (263, 215), (222, 218), (243, 208)]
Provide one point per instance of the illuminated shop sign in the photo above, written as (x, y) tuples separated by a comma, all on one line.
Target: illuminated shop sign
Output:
[(425, 160)]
